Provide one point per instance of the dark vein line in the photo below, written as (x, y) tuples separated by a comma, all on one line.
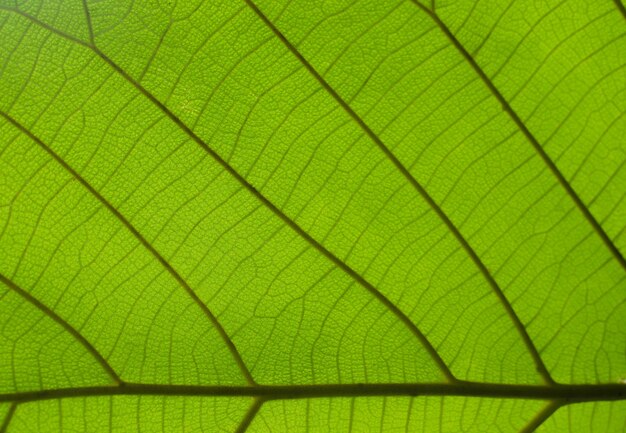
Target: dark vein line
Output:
[(288, 221), (8, 418), (529, 136), (541, 416), (550, 164), (46, 26), (541, 368), (265, 201), (351, 419), (250, 414), (567, 394), (89, 25), (357, 277), (65, 325), (620, 7), (229, 343)]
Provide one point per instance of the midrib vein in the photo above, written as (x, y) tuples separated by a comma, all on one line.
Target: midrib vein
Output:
[(529, 135), (562, 393), (65, 325), (147, 245), (521, 329), (404, 319)]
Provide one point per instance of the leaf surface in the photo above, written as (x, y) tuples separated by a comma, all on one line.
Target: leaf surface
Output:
[(303, 216)]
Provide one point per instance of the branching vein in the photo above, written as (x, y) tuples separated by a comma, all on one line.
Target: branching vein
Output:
[(421, 191), (405, 320), (65, 325), (582, 207), (229, 343)]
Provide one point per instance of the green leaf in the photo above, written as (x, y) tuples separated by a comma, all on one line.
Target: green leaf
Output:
[(312, 216)]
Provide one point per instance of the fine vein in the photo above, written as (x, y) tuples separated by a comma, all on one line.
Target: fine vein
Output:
[(229, 343), (264, 200), (608, 242), (543, 371), (65, 325), (287, 220), (291, 223), (557, 395), (566, 394)]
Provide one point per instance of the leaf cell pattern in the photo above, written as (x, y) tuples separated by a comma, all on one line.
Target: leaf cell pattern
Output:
[(301, 215)]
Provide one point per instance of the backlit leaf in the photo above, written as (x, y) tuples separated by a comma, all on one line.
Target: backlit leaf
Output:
[(303, 215)]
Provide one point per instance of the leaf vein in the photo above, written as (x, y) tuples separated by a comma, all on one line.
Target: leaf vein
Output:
[(8, 417), (179, 279), (425, 195), (65, 325), (566, 393), (264, 200), (359, 278), (530, 137)]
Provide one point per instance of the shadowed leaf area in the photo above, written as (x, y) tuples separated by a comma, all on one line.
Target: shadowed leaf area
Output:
[(312, 216)]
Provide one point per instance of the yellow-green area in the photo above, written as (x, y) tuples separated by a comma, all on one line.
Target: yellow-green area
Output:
[(237, 193)]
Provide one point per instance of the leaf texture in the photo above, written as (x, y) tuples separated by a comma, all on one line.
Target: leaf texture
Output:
[(309, 216)]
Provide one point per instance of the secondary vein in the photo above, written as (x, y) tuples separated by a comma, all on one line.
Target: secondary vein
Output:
[(344, 266), (179, 279), (441, 365), (285, 218), (541, 416), (620, 7), (521, 329), (65, 325), (582, 207), (8, 417), (250, 415)]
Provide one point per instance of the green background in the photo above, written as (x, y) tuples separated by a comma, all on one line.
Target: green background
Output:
[(311, 192)]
